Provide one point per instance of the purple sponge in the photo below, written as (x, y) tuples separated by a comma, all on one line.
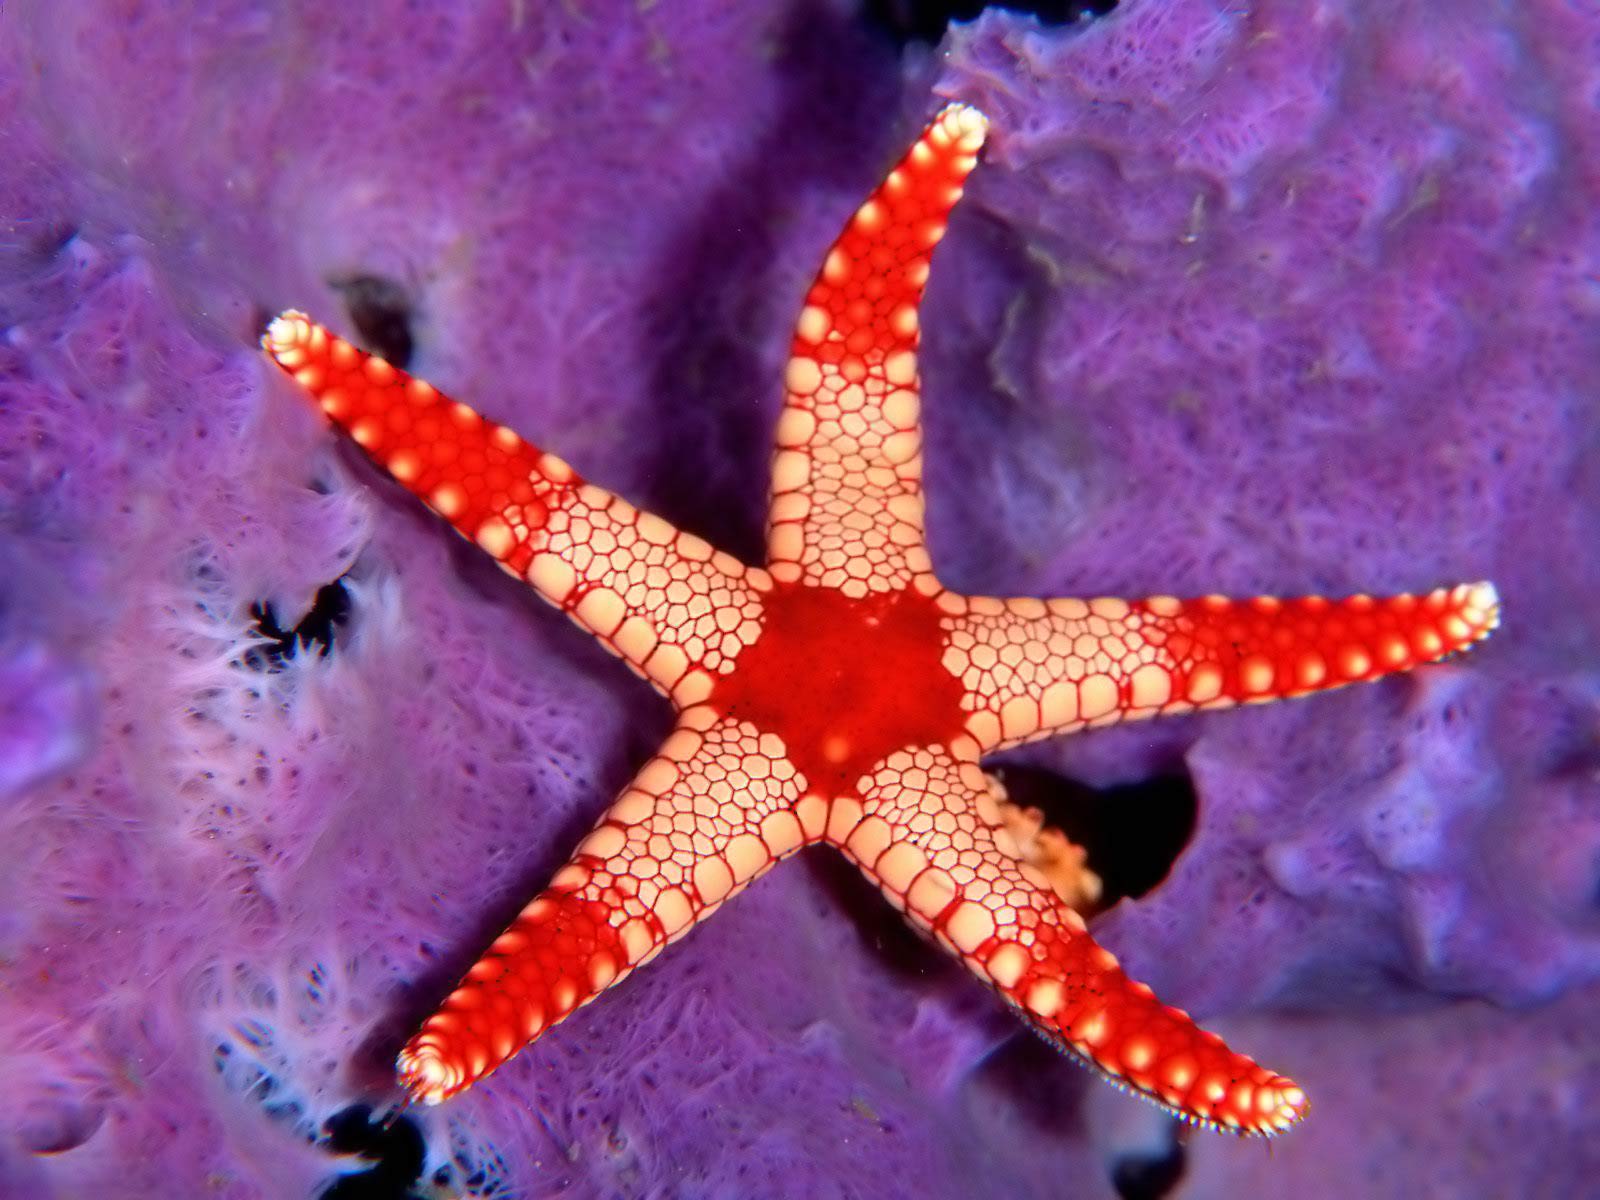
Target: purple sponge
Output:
[(1294, 297)]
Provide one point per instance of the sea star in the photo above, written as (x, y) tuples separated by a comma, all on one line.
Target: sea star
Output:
[(841, 694)]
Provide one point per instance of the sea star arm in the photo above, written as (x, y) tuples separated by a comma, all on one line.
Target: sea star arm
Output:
[(663, 600), (932, 838), (847, 505), (1033, 668), (713, 810)]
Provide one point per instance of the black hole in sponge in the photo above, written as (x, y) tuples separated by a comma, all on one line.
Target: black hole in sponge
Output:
[(395, 1149), (51, 238), (926, 20), (381, 312), (1133, 833), (261, 320), (1148, 1176), (329, 611)]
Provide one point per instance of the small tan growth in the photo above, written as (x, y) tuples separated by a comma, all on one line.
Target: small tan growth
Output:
[(1045, 848)]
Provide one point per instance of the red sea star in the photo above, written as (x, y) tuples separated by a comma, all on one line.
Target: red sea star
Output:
[(841, 694)]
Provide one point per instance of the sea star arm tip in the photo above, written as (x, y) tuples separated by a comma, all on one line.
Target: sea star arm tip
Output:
[(846, 507), (1035, 668), (673, 608), (677, 842), (425, 1074), (956, 874)]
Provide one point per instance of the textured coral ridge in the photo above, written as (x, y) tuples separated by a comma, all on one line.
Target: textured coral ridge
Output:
[(841, 694)]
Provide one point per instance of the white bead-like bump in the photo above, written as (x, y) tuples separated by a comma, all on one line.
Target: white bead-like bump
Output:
[(931, 893), (814, 323), (1310, 669), (495, 536), (900, 408), (1256, 674), (1150, 686), (553, 576), (673, 910), (1090, 1027), (747, 855), (781, 832), (1353, 662), (286, 329), (1180, 1073), (900, 368), (1484, 598), (634, 639), (601, 610), (1138, 1053), (1044, 998), (802, 376), (1006, 965), (448, 500), (712, 880), (1097, 697), (404, 466), (969, 926), (636, 939), (555, 469), (899, 865), (603, 843), (1205, 683)]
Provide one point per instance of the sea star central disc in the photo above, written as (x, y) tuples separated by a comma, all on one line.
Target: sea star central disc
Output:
[(844, 682)]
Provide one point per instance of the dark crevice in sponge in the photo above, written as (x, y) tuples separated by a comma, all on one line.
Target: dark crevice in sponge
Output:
[(1148, 1175), (1132, 832), (394, 1147), (329, 612), (927, 20), (381, 311)]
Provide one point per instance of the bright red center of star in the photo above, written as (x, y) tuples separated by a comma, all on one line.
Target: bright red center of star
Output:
[(844, 682)]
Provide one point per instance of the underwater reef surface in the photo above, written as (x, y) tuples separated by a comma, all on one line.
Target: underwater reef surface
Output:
[(1273, 298)]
